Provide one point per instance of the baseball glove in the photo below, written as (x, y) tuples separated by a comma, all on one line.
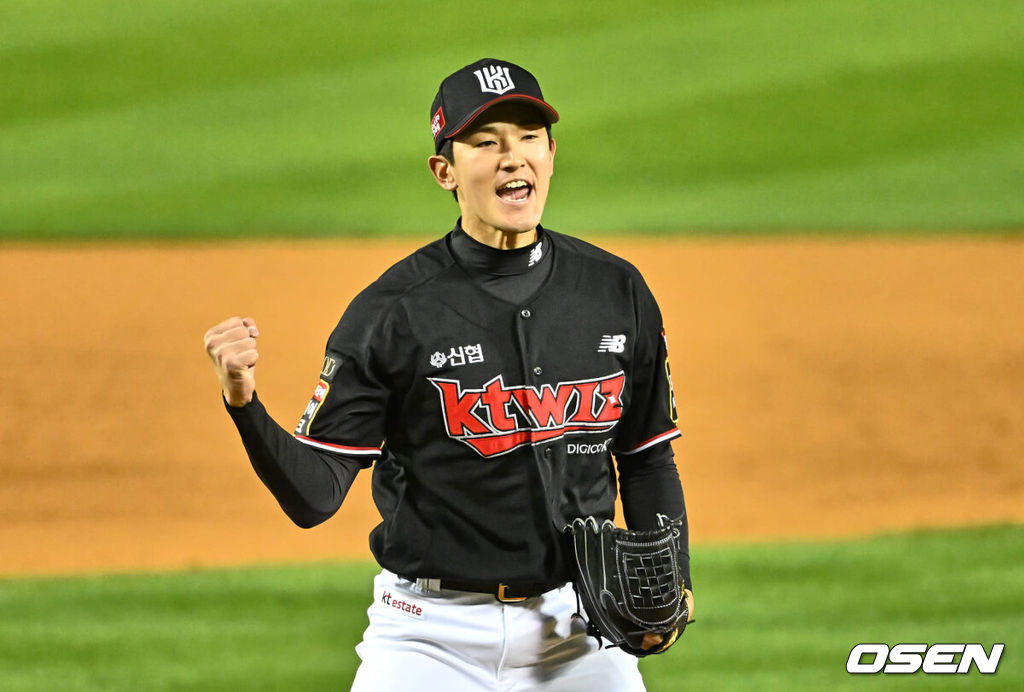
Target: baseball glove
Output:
[(630, 582)]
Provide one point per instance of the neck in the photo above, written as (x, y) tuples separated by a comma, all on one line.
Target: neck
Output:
[(498, 238)]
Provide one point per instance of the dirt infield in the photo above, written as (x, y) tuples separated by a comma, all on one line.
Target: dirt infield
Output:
[(824, 388)]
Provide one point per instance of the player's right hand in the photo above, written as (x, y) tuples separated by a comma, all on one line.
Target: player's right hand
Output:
[(231, 346)]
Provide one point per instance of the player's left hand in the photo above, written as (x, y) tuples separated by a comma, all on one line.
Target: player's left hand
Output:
[(652, 640)]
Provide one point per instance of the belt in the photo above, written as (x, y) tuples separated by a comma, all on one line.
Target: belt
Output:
[(506, 593)]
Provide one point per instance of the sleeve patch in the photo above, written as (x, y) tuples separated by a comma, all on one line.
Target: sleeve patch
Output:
[(330, 367), (317, 400), (668, 377)]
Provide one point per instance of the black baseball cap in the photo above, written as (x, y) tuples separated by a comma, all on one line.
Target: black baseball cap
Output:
[(467, 93)]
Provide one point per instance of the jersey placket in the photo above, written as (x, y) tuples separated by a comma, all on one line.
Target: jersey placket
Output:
[(529, 329)]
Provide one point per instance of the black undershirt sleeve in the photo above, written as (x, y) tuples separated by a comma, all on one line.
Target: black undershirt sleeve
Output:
[(649, 485), (308, 484)]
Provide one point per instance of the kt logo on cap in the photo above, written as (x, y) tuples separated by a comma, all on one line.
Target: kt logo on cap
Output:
[(494, 79)]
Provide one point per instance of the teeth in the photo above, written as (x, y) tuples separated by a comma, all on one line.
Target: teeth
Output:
[(513, 184)]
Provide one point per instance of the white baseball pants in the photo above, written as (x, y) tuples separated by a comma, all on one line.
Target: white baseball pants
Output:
[(421, 639)]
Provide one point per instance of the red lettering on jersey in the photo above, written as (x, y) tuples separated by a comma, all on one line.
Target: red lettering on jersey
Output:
[(549, 407), (585, 412), (548, 413), (610, 391), (458, 409), (495, 397)]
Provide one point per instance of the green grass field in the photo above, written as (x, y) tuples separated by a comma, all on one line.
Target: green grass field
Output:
[(179, 118), (770, 617)]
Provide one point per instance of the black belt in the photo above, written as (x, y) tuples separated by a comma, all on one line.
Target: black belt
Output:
[(506, 593)]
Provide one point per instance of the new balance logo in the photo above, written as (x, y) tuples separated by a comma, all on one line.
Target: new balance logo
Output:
[(616, 343), (494, 79), (536, 254)]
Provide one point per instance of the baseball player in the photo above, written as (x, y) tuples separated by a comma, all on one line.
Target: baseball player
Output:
[(500, 381)]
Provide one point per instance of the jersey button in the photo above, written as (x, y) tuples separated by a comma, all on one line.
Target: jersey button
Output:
[(538, 371), (525, 313), (547, 453)]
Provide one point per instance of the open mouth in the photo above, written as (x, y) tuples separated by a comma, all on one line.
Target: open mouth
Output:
[(515, 191)]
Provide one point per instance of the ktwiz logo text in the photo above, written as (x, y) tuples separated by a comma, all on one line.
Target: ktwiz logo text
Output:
[(497, 418)]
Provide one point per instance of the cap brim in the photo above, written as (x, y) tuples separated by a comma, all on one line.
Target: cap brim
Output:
[(550, 113)]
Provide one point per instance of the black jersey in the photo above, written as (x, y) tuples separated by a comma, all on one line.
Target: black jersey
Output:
[(492, 424)]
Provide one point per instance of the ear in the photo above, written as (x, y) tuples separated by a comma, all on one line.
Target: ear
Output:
[(443, 172), (552, 150)]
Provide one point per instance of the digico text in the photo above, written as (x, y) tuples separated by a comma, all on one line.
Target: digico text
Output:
[(938, 659)]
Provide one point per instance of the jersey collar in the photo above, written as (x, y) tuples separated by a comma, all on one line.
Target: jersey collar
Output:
[(477, 258)]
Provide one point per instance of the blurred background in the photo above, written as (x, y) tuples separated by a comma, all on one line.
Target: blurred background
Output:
[(270, 118), (826, 198)]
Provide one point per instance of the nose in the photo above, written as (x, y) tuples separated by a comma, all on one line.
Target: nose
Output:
[(512, 159)]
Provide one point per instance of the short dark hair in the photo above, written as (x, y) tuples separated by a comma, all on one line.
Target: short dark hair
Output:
[(447, 151)]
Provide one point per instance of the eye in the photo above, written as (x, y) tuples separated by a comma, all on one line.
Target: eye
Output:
[(530, 137), (485, 143)]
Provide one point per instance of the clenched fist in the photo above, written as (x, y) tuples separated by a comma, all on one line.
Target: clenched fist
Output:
[(232, 348)]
